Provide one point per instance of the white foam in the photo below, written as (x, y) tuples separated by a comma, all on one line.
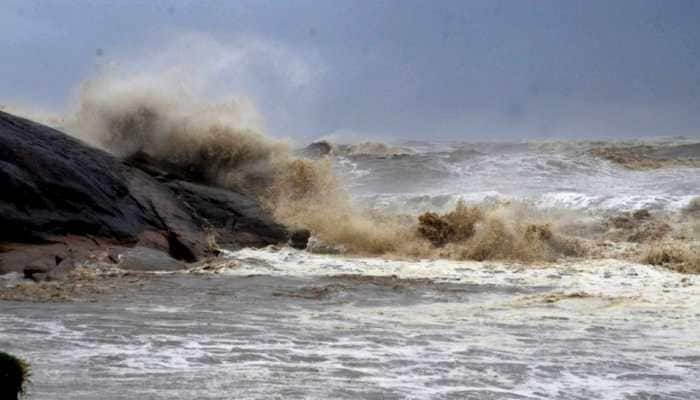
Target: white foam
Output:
[(546, 179), (606, 277)]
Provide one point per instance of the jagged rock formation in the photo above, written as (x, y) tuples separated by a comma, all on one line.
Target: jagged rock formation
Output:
[(62, 199)]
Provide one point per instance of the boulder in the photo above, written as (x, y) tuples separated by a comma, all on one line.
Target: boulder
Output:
[(317, 149), (144, 259), (299, 238)]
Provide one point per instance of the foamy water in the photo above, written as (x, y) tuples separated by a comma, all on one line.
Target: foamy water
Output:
[(565, 176), (288, 324)]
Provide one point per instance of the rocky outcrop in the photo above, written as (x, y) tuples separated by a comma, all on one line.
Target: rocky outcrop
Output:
[(317, 149), (235, 218), (299, 239), (62, 199), (54, 185)]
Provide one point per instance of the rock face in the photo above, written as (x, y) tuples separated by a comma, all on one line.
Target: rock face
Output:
[(54, 185), (64, 199), (235, 218)]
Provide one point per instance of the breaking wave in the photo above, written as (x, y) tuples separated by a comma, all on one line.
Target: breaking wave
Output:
[(224, 145), (478, 201)]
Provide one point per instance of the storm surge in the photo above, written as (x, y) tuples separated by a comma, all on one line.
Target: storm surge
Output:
[(223, 145), (538, 201)]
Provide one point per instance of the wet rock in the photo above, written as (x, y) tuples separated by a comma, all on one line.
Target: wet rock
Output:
[(236, 219), (317, 149), (63, 198), (38, 269), (299, 239), (146, 259), (57, 187), (48, 268), (40, 258), (61, 270), (181, 234)]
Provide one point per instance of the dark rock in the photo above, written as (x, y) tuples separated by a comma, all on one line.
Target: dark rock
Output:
[(48, 268), (317, 149), (236, 219), (55, 185), (161, 170), (299, 238), (35, 274), (63, 198), (32, 258), (38, 270), (182, 236)]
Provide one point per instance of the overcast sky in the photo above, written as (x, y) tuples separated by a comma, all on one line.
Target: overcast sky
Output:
[(404, 69)]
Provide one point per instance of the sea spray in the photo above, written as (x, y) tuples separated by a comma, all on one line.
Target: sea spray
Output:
[(223, 144)]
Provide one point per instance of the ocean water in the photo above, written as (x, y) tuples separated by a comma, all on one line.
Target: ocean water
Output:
[(433, 176), (290, 325), (287, 324)]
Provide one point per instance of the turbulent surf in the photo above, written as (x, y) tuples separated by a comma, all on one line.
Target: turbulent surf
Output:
[(547, 269)]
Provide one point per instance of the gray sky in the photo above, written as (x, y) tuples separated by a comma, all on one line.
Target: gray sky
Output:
[(409, 69)]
